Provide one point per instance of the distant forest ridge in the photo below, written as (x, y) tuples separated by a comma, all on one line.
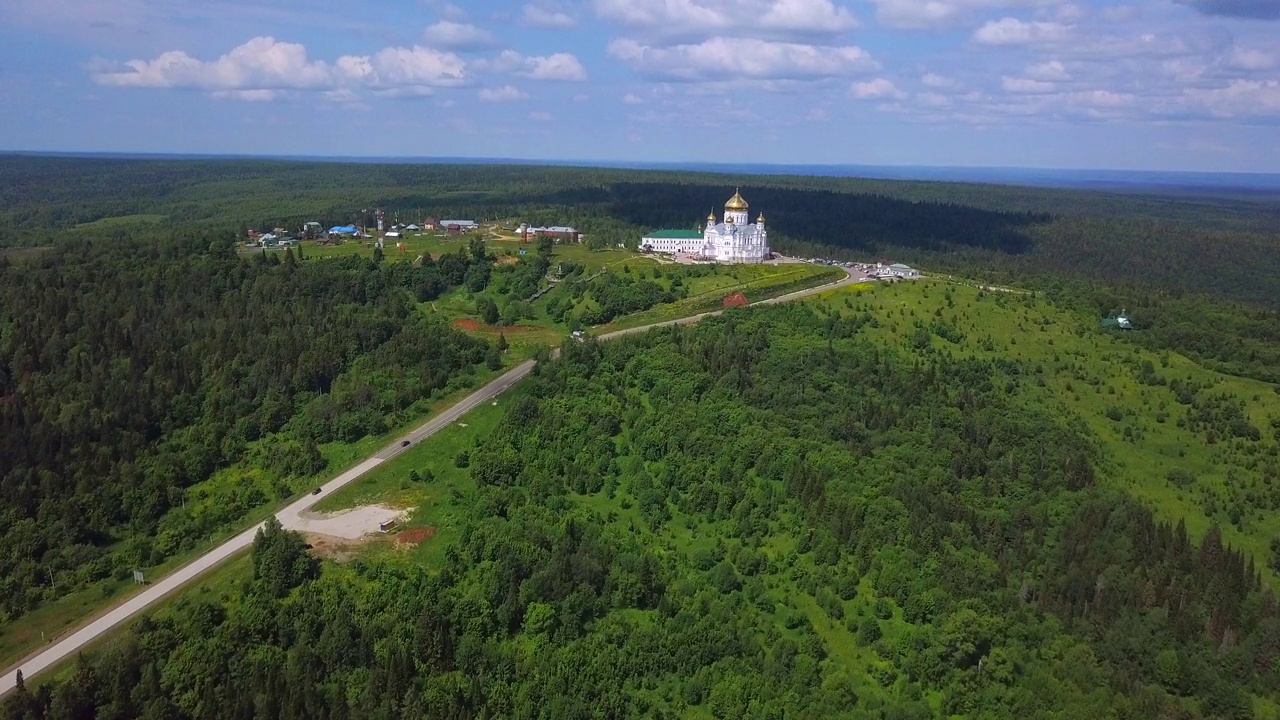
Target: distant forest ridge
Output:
[(1177, 182), (1225, 245)]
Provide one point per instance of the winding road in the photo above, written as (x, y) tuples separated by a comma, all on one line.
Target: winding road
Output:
[(291, 515)]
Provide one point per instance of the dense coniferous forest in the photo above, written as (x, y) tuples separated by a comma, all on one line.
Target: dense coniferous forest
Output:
[(132, 368), (787, 498)]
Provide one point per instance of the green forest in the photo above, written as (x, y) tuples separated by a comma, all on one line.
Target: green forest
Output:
[(765, 515), (938, 499)]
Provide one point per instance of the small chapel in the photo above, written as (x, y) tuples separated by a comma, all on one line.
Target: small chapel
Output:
[(732, 240)]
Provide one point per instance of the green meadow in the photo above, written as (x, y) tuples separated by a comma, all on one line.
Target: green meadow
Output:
[(1158, 417)]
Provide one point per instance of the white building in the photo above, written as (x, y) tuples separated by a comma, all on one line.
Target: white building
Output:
[(734, 240), (896, 270)]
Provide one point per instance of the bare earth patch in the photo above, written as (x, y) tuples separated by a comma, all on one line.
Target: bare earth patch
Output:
[(476, 326), (415, 536), (332, 548), (349, 524)]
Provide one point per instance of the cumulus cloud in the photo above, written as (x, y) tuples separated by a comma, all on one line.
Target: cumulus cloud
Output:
[(1238, 98), (1255, 9), (730, 17), (875, 89), (399, 67), (632, 99), (1012, 31), (540, 116), (506, 93), (1053, 71), (262, 66), (933, 100), (546, 17), (1025, 85), (559, 66), (934, 80), (941, 14), (737, 59), (457, 36), (1253, 59)]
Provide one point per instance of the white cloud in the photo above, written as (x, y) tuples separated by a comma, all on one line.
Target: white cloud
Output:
[(448, 11), (933, 100), (457, 36), (540, 116), (263, 64), (1238, 98), (1053, 71), (1025, 85), (404, 67), (1253, 59), (539, 16), (873, 89), (1012, 31), (260, 64), (506, 93), (772, 18), (942, 14), (934, 80), (247, 95), (1102, 99), (632, 99), (725, 59), (560, 66)]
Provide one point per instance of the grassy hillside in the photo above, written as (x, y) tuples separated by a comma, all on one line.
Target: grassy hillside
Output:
[(1196, 444)]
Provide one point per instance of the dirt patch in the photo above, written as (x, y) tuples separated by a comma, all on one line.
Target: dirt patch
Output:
[(337, 549), (415, 536), (508, 260), (476, 326), (736, 300)]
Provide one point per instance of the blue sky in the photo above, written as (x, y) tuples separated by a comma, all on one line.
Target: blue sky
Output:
[(1141, 84)]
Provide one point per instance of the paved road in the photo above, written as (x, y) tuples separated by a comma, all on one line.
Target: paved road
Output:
[(290, 516)]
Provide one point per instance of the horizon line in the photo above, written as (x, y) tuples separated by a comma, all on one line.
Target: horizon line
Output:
[(688, 165)]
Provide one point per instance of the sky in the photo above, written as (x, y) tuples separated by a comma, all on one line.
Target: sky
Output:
[(1119, 84)]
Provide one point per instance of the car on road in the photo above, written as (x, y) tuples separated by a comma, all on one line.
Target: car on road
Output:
[(316, 491), (404, 443)]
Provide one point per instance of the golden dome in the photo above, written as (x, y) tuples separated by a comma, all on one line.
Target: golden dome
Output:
[(711, 217), (736, 202), (761, 218)]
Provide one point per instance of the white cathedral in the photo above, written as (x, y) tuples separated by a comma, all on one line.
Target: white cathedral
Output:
[(733, 241)]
